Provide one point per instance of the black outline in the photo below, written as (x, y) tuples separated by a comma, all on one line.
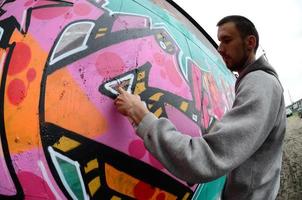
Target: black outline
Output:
[(182, 11), (105, 154), (93, 46), (135, 33), (5, 148), (168, 97), (99, 43)]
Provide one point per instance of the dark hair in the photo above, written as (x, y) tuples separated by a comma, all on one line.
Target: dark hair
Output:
[(244, 25)]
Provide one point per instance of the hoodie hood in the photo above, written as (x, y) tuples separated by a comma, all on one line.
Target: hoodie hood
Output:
[(260, 64)]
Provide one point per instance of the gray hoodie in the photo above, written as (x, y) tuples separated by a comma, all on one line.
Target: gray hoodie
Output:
[(245, 145)]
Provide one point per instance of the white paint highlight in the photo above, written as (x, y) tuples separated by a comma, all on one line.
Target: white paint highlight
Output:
[(65, 34), (47, 179), (53, 155)]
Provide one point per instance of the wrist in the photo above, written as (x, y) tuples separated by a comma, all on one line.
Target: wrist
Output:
[(138, 114)]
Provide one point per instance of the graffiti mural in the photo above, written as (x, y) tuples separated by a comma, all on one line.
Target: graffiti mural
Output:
[(61, 62)]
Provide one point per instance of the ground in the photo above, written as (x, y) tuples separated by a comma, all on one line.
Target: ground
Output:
[(291, 173)]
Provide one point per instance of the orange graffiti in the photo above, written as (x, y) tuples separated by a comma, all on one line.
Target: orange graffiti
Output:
[(62, 109), (22, 93)]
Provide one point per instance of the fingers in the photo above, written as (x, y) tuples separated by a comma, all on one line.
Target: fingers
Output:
[(119, 100), (115, 101), (120, 90)]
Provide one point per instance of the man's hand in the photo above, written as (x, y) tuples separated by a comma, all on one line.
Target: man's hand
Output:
[(130, 105)]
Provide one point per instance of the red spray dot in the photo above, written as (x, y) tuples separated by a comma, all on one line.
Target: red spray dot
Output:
[(109, 64), (20, 58), (16, 91), (31, 74), (137, 149), (143, 191)]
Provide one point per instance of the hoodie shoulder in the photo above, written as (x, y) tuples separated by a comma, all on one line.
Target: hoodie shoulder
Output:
[(260, 64)]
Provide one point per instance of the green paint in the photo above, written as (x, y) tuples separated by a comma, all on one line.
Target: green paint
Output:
[(191, 47), (72, 178), (161, 19), (211, 190)]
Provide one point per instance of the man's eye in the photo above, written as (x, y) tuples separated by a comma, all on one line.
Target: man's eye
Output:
[(226, 41)]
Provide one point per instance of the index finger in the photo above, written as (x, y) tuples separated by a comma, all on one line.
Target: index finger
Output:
[(120, 89)]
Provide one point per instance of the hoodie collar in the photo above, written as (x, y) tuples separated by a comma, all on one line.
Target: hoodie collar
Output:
[(260, 64)]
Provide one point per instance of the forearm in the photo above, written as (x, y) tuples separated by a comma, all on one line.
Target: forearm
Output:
[(190, 159), (231, 141), (137, 114)]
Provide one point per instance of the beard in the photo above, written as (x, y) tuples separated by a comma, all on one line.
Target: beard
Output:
[(242, 62)]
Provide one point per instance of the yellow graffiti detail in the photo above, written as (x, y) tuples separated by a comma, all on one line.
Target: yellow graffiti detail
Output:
[(94, 185), (139, 88), (103, 29), (186, 196), (141, 75), (101, 32), (168, 43), (159, 36), (66, 144), (125, 184), (158, 112), (116, 198), (184, 106), (91, 165), (156, 96), (99, 35)]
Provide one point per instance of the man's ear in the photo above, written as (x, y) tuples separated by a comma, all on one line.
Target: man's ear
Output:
[(251, 42)]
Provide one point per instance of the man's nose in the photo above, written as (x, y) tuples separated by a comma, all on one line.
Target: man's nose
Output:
[(220, 49)]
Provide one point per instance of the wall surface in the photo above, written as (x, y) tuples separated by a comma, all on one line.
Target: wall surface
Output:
[(60, 64)]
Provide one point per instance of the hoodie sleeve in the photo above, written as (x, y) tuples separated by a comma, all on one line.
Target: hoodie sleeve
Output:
[(230, 142)]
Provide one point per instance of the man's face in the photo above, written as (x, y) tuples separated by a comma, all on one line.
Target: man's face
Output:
[(232, 47)]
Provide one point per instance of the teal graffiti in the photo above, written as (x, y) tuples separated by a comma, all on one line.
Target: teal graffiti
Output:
[(191, 47)]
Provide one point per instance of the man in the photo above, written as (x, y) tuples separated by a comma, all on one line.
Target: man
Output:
[(246, 144)]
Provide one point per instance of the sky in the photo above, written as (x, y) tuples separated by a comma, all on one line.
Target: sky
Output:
[(279, 24)]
